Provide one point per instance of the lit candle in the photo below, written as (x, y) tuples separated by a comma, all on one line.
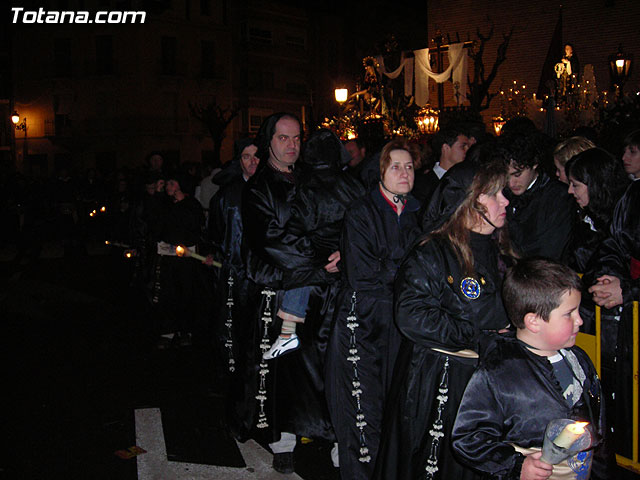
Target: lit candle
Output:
[(570, 434), (183, 251)]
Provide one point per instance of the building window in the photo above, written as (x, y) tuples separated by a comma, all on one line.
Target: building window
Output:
[(258, 35), (295, 41), (62, 57), (254, 122), (63, 124), (104, 55), (169, 55), (208, 57)]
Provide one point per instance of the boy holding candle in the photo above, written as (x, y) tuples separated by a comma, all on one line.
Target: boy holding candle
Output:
[(528, 379)]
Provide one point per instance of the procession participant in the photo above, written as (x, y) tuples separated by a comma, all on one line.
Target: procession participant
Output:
[(324, 191), (597, 181), (450, 145), (529, 379), (446, 296), (181, 224), (565, 151), (291, 388), (540, 215), (613, 278), (631, 156), (235, 329), (378, 230)]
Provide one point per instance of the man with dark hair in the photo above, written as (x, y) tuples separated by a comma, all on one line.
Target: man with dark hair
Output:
[(235, 327), (540, 212), (291, 392), (450, 147), (631, 156)]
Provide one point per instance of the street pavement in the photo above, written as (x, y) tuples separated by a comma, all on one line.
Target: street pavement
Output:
[(88, 392)]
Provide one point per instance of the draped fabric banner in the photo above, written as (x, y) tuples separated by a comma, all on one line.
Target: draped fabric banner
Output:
[(460, 72), (406, 64), (457, 70), (456, 54), (408, 77), (422, 81)]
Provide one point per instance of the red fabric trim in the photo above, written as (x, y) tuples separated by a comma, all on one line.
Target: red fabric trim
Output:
[(393, 205), (635, 268)]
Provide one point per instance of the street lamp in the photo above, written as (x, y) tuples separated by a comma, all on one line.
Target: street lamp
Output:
[(620, 68), (20, 125), (341, 95)]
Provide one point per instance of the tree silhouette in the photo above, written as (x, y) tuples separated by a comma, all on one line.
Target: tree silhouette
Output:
[(216, 119)]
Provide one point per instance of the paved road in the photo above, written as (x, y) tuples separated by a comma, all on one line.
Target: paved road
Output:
[(85, 381)]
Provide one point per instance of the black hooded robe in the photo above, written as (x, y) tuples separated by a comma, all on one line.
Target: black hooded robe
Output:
[(374, 241)]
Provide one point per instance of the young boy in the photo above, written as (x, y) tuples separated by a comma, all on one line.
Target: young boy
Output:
[(525, 381)]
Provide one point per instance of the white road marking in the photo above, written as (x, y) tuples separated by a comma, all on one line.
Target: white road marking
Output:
[(154, 465)]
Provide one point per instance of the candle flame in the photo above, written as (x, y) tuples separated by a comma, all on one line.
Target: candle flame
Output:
[(128, 254), (578, 427), (107, 242), (180, 250), (103, 209)]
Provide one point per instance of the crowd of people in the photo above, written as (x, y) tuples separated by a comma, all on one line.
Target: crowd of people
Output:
[(417, 309)]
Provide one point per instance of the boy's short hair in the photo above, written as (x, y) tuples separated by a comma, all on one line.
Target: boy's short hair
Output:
[(632, 139), (536, 285)]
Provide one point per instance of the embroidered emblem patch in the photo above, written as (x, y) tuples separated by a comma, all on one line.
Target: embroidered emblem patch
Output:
[(450, 279), (581, 464), (470, 288)]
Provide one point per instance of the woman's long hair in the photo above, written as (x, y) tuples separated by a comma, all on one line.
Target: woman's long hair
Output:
[(489, 179), (605, 179)]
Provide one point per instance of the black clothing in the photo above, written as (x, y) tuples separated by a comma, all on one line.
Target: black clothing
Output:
[(278, 258), (540, 220), (236, 333), (618, 255), (586, 237), (374, 241), (510, 400), (434, 310), (181, 224), (424, 186)]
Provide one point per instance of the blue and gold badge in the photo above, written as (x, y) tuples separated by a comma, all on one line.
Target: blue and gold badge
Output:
[(470, 288)]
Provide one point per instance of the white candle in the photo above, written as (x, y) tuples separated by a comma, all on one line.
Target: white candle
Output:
[(570, 434)]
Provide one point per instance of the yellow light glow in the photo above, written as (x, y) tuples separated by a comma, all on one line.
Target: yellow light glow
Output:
[(341, 95), (180, 251), (620, 63), (15, 118), (107, 242), (577, 427), (103, 209)]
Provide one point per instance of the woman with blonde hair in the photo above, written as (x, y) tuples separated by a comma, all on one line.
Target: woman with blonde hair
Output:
[(566, 150)]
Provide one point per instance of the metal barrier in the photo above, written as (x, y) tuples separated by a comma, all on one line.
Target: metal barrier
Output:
[(592, 344)]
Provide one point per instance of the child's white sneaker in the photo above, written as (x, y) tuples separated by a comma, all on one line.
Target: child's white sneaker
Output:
[(281, 346)]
